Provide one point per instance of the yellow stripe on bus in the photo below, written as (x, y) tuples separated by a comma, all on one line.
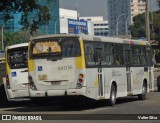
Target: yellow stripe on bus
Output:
[(8, 70), (30, 65), (80, 61), (96, 82), (141, 43), (30, 62)]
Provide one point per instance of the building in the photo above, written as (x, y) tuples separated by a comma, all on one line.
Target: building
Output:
[(137, 7), (100, 25), (121, 13), (61, 21), (70, 23), (53, 5), (119, 16)]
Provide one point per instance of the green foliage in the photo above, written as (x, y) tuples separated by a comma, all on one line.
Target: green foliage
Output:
[(26, 7), (138, 28), (11, 38)]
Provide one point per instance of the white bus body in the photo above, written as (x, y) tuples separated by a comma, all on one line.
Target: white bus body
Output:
[(94, 66), (16, 81)]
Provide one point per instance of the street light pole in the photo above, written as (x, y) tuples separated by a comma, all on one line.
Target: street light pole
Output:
[(117, 26), (127, 25), (2, 37), (117, 22)]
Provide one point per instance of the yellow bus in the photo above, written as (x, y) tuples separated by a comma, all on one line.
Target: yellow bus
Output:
[(89, 66)]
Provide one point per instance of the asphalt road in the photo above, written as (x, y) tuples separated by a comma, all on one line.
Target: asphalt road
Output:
[(126, 109)]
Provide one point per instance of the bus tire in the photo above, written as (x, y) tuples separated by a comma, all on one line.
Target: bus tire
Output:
[(144, 92), (112, 99), (3, 96), (158, 88)]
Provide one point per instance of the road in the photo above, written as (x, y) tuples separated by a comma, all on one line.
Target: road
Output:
[(127, 105), (126, 108)]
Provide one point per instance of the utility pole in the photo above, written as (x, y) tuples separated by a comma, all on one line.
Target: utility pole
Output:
[(76, 8), (147, 21)]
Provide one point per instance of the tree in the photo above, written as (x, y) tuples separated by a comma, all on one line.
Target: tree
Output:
[(138, 28), (26, 8), (11, 38)]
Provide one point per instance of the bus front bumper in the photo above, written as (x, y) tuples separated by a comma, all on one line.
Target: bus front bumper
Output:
[(52, 93)]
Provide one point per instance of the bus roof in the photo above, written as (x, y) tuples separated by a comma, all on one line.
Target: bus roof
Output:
[(96, 38), (17, 45), (114, 40)]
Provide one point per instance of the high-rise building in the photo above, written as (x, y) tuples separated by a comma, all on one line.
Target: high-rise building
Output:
[(119, 16), (121, 13), (49, 28), (137, 7), (53, 6)]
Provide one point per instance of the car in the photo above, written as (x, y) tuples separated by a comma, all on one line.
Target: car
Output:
[(158, 83)]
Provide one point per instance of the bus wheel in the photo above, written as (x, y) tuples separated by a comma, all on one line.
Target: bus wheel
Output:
[(112, 99), (158, 88), (144, 92), (3, 97)]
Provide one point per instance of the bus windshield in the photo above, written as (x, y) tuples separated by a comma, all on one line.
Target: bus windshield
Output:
[(18, 57), (57, 47)]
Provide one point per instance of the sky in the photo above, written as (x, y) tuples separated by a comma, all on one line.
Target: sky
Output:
[(93, 7)]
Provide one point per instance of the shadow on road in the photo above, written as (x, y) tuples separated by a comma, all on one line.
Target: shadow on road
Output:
[(29, 106)]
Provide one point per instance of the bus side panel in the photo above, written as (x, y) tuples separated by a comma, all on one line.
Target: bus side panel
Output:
[(118, 76), (92, 83), (110, 75), (137, 79)]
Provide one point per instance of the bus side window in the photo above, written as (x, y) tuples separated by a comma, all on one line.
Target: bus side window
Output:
[(109, 53), (119, 58), (143, 56), (135, 54), (89, 53), (98, 52)]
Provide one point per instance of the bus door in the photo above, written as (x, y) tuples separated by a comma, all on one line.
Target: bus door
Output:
[(99, 51), (127, 53)]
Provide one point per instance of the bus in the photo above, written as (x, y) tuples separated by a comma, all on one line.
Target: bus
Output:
[(88, 66), (3, 97), (16, 81)]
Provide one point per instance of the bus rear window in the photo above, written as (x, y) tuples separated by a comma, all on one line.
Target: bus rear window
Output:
[(18, 57), (55, 47)]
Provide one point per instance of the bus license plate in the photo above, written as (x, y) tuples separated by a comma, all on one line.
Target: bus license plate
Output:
[(55, 83)]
